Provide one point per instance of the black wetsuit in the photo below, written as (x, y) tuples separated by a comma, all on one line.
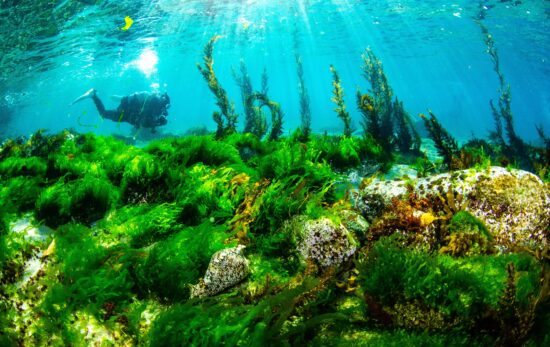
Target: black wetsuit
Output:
[(139, 109)]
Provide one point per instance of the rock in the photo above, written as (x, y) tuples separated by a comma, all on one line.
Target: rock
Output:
[(227, 268), (325, 243), (401, 171), (513, 204), (354, 222)]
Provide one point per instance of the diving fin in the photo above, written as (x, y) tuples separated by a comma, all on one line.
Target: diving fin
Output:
[(115, 97), (86, 95)]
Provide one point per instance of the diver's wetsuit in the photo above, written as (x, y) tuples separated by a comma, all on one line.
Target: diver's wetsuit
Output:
[(139, 109)]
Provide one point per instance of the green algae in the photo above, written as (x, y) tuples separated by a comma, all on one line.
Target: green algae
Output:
[(467, 291), (134, 228), (172, 265)]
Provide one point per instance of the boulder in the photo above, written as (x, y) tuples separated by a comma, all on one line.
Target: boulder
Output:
[(324, 242), (513, 204), (226, 268)]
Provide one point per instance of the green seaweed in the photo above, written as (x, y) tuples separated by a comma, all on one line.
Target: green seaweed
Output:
[(143, 225), (235, 323), (155, 216), (91, 198), (26, 167), (191, 150), (144, 180), (397, 338), (467, 236), (462, 288), (173, 265), (53, 205), (19, 194), (91, 280), (84, 200)]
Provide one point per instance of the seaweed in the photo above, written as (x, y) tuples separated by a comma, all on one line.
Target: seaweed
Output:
[(444, 142), (53, 205), (84, 200), (543, 137), (91, 198), (190, 150), (541, 160), (515, 148), (305, 111), (265, 82), (461, 289), (142, 225), (90, 280), (338, 99), (19, 194), (259, 124), (245, 85), (172, 265), (227, 109), (154, 217), (467, 236), (22, 167), (144, 181), (377, 109), (265, 323), (407, 140)]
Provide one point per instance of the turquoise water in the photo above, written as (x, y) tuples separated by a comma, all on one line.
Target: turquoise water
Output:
[(433, 54)]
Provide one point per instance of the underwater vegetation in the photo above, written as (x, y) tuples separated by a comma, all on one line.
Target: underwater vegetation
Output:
[(227, 109), (305, 111), (253, 102), (252, 238), (338, 99), (108, 241)]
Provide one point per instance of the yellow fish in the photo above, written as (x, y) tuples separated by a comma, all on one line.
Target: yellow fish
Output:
[(129, 23)]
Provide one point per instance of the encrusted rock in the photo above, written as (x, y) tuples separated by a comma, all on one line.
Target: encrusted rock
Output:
[(227, 268), (325, 243), (354, 222), (513, 204)]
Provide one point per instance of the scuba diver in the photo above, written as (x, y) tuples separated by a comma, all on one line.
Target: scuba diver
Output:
[(143, 109)]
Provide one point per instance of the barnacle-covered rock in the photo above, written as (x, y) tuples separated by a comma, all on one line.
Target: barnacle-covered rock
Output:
[(325, 243), (513, 204), (227, 268)]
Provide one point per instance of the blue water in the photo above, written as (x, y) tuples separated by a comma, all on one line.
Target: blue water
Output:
[(433, 54)]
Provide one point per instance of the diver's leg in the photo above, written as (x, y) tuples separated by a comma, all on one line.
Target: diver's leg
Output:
[(109, 114)]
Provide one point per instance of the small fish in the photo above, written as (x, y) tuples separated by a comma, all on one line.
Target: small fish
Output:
[(128, 22), (50, 250)]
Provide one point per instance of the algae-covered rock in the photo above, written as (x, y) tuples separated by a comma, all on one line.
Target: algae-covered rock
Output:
[(324, 242), (227, 268), (354, 222), (513, 204)]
